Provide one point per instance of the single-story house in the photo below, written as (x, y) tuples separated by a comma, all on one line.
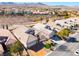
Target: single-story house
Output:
[(43, 31), (7, 37), (67, 22), (25, 36), (54, 26)]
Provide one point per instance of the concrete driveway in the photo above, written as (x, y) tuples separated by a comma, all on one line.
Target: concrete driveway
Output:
[(67, 49)]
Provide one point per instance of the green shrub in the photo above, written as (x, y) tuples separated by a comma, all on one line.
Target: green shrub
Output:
[(47, 46)]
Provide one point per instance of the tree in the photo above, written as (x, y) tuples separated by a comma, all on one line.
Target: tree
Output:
[(17, 47), (2, 12), (66, 17), (64, 33), (65, 13)]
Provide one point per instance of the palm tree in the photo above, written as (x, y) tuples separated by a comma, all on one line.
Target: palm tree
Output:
[(17, 47)]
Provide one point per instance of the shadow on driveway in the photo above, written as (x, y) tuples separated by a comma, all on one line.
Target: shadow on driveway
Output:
[(37, 47), (62, 48), (71, 39)]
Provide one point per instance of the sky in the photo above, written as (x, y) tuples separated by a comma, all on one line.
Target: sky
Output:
[(62, 3), (57, 3)]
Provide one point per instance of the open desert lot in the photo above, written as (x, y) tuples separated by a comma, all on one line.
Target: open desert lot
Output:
[(14, 20)]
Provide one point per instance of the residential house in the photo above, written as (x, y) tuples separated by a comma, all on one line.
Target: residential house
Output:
[(67, 23), (6, 39), (40, 12), (6, 35), (43, 30), (25, 36)]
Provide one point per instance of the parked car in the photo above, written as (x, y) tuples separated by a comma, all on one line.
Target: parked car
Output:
[(77, 52)]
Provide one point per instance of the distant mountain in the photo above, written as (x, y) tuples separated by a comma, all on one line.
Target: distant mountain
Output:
[(7, 3), (23, 3), (35, 4), (38, 5)]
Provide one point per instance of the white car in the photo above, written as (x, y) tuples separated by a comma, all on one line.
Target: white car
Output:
[(77, 52)]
